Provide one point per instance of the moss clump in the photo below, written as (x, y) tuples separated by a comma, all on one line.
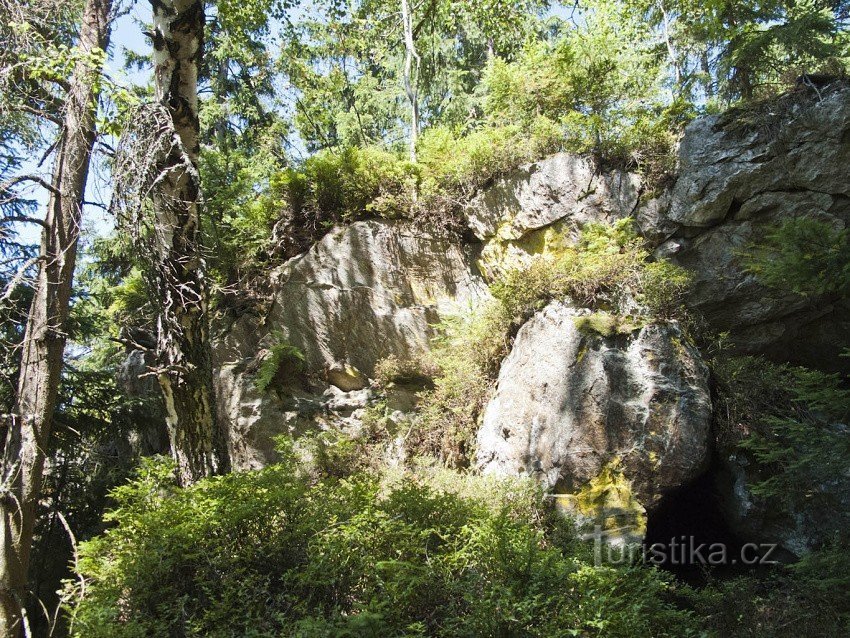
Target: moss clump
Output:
[(605, 324), (393, 370)]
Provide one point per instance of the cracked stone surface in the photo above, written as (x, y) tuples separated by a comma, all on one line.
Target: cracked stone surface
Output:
[(732, 189), (362, 293), (568, 404), (563, 186)]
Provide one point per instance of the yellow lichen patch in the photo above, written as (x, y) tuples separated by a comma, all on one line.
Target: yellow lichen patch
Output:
[(346, 377), (606, 324), (424, 293), (653, 456), (607, 501), (508, 250)]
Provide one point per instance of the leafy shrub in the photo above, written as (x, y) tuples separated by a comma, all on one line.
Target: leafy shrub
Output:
[(803, 255), (804, 599), (463, 164), (602, 90), (790, 422), (332, 187), (268, 554)]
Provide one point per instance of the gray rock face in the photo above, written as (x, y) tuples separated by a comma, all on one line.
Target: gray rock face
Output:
[(625, 417), (568, 404), (726, 175), (732, 189), (364, 292), (552, 189)]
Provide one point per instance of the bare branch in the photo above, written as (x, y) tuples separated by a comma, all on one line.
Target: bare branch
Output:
[(29, 178), (23, 219)]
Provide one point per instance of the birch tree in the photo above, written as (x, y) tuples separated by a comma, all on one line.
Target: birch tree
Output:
[(185, 368), (411, 75)]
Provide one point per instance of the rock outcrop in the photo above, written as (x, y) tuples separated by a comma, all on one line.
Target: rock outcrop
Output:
[(364, 292), (734, 185), (570, 405), (607, 423)]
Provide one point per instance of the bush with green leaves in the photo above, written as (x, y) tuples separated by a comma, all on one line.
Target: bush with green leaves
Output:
[(792, 423), (601, 84), (807, 598), (269, 553), (805, 255), (344, 185)]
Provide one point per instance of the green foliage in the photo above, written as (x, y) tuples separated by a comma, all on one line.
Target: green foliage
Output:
[(346, 63), (448, 418), (803, 599), (601, 83), (790, 421), (281, 358), (804, 255), (333, 187), (606, 269), (465, 163), (268, 554)]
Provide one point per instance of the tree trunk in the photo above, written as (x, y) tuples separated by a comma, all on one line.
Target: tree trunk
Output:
[(672, 54), (185, 373), (410, 87), (44, 340)]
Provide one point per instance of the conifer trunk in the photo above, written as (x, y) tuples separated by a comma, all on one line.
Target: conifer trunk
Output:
[(29, 426)]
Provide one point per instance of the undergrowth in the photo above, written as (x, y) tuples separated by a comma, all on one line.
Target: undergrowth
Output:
[(269, 553), (339, 186)]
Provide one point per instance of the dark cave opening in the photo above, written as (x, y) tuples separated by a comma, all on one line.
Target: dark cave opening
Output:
[(688, 535)]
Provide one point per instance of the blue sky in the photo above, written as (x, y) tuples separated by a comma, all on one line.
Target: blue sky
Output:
[(126, 35)]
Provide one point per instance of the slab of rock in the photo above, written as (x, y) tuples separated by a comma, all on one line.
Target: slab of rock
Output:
[(727, 174), (735, 185), (558, 187), (572, 407), (364, 292)]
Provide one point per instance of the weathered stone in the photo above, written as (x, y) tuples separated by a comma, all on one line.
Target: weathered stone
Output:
[(365, 292), (720, 170), (558, 187), (796, 530), (568, 405), (732, 189)]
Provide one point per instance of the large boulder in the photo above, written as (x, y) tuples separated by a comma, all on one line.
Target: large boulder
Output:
[(537, 194), (601, 421), (739, 175), (530, 211), (363, 293)]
